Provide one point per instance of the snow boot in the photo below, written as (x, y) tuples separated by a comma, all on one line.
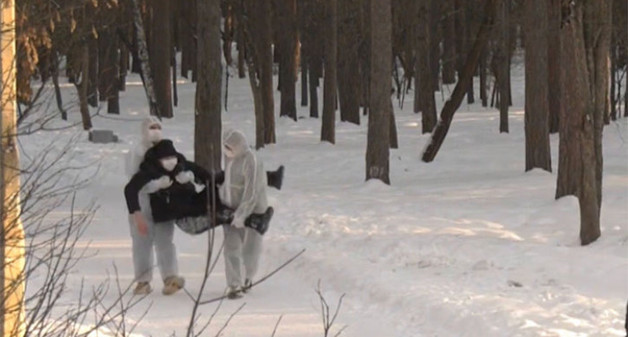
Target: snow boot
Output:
[(172, 284), (233, 293), (260, 222), (275, 179), (142, 288)]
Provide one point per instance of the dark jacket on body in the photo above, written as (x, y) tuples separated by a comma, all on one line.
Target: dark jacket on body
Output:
[(178, 200)]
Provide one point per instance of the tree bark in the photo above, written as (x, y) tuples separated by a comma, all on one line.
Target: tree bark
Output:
[(142, 56), (12, 252), (377, 151), (448, 111), (288, 44), (348, 61), (503, 64), (425, 102), (536, 87), (553, 53), (207, 110), (83, 87), (160, 54), (449, 42), (328, 129), (265, 51)]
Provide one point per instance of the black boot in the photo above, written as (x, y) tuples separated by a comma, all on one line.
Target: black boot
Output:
[(275, 178), (260, 222)]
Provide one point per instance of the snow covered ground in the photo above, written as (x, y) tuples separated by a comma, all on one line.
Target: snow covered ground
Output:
[(468, 245)]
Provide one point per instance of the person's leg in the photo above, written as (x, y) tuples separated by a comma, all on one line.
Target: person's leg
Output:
[(142, 250), (233, 255), (251, 252), (165, 250)]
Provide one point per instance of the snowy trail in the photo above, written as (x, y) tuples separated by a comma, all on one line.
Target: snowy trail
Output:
[(468, 245)]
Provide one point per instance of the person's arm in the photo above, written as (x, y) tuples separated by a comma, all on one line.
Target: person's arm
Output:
[(204, 175), (132, 189)]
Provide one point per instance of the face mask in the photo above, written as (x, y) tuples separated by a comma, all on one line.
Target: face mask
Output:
[(229, 153), (169, 163), (154, 135)]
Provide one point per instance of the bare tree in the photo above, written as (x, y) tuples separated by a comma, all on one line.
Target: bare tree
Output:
[(207, 124), (328, 129), (448, 111), (536, 87), (424, 101), (378, 138)]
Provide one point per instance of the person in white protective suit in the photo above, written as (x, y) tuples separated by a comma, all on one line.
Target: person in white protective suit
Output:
[(145, 233), (244, 190)]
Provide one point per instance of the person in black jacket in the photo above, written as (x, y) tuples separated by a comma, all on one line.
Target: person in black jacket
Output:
[(178, 194), (186, 199)]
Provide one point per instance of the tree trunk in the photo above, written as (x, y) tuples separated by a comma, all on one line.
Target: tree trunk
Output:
[(448, 111), (348, 61), (304, 78), (55, 82), (597, 38), (12, 234), (142, 56), (108, 68), (258, 39), (483, 79), (207, 124), (435, 36), (553, 53), (449, 42), (328, 130), (288, 44), (265, 50), (377, 151), (426, 103), (160, 50), (313, 79), (571, 74), (536, 86), (188, 43), (92, 75), (83, 87), (503, 64)]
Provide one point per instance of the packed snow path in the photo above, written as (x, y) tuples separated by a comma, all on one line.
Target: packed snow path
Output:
[(468, 245)]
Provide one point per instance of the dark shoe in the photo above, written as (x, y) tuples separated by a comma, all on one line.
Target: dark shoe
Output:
[(275, 179), (260, 222)]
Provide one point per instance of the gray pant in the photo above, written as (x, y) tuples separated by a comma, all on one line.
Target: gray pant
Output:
[(160, 236), (242, 248)]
